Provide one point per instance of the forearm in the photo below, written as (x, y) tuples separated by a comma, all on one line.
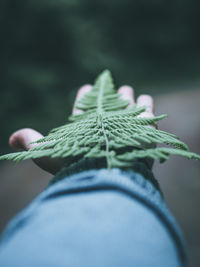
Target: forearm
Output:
[(93, 211)]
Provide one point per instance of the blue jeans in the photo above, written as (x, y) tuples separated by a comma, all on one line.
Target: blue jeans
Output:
[(92, 219)]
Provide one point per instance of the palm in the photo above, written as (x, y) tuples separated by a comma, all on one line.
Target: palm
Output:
[(21, 139)]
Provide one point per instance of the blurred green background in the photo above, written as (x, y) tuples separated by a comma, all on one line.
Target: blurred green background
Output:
[(49, 48)]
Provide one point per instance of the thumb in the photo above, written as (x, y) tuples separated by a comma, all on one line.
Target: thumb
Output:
[(21, 139)]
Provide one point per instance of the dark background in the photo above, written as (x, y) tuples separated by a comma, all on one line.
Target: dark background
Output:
[(49, 48)]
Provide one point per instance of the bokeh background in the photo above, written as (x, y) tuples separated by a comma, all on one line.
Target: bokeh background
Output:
[(49, 48)]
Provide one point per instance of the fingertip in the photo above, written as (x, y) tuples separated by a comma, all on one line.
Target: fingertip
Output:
[(146, 100), (21, 139), (81, 92), (14, 143), (127, 93)]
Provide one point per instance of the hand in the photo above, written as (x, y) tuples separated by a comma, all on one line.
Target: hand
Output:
[(21, 139)]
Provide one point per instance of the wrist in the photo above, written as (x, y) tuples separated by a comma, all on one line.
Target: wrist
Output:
[(141, 166)]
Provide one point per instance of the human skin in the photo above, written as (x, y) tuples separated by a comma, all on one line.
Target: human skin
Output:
[(22, 139)]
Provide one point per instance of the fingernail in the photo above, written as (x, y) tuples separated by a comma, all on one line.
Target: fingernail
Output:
[(16, 144)]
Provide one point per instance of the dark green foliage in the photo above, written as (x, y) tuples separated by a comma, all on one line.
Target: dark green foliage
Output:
[(49, 47), (106, 129)]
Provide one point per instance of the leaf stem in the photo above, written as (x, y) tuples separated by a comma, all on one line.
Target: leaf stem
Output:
[(100, 112)]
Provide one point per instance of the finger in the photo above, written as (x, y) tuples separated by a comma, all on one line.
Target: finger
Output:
[(21, 139), (146, 100), (81, 92), (127, 93)]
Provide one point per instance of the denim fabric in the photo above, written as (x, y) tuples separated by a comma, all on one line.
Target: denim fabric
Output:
[(95, 218)]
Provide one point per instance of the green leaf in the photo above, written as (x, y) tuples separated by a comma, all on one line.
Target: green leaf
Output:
[(106, 129)]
